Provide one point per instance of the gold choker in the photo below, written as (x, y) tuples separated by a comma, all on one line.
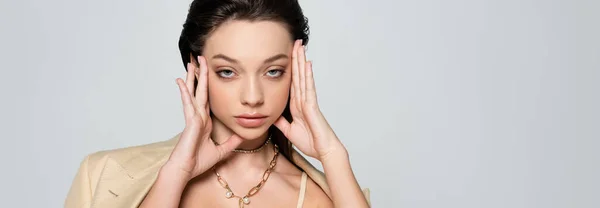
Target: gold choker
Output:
[(248, 151), (254, 150)]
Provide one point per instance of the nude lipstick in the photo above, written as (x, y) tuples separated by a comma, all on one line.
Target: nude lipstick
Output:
[(250, 120)]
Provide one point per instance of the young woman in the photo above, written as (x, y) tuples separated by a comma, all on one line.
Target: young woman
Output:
[(249, 94)]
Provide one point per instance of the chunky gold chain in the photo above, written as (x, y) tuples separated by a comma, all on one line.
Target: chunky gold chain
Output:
[(246, 199)]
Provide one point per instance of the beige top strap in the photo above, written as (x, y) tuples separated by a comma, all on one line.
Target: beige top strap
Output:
[(302, 191)]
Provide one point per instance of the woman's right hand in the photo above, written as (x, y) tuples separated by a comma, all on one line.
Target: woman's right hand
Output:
[(195, 152)]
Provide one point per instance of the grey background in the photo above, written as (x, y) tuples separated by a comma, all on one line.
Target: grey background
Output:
[(489, 103)]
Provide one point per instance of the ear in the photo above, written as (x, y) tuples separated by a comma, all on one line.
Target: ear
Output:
[(194, 61)]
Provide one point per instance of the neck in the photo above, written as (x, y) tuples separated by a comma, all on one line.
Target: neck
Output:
[(242, 163)]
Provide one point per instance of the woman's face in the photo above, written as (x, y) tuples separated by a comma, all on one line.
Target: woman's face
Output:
[(249, 75)]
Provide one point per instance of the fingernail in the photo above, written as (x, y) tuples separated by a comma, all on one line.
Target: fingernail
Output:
[(300, 41)]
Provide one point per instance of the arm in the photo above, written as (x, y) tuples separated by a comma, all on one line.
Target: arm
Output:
[(310, 132), (345, 190), (167, 190), (195, 152)]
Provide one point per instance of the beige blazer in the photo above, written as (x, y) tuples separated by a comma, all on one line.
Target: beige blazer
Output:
[(122, 177)]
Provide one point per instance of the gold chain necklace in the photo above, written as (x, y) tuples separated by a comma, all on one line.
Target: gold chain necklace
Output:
[(246, 199)]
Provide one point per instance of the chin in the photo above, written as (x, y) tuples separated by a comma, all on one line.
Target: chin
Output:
[(250, 133)]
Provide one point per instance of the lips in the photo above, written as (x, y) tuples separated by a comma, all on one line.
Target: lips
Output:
[(250, 120)]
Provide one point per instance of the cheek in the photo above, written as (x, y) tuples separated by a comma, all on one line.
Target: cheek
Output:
[(279, 95), (217, 98)]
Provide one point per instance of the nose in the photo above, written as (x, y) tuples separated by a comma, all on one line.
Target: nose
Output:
[(252, 93)]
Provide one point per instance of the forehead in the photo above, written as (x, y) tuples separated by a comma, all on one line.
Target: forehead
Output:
[(242, 39)]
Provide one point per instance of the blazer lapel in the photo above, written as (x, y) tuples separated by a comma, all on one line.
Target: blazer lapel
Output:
[(127, 178), (119, 187)]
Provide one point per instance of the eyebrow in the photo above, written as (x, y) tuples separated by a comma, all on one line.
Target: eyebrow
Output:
[(232, 60)]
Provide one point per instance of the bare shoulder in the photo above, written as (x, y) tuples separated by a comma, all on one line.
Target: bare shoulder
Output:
[(288, 172), (315, 196)]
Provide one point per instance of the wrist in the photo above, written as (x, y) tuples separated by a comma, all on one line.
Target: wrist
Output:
[(337, 153), (167, 189), (174, 173)]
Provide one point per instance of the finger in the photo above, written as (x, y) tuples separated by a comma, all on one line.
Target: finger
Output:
[(189, 141), (190, 78), (202, 91), (207, 109), (302, 69), (226, 147), (188, 107), (311, 93), (292, 90), (295, 74), (283, 125)]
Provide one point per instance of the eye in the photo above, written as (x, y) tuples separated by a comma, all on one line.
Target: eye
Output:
[(226, 73), (275, 73)]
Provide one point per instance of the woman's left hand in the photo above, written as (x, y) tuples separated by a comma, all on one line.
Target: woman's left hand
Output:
[(309, 131)]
